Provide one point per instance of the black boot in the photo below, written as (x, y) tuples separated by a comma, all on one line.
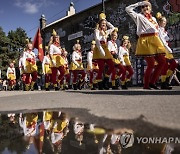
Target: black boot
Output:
[(75, 86), (47, 89), (106, 83), (117, 83), (153, 86), (100, 85), (56, 88), (124, 87), (164, 85)]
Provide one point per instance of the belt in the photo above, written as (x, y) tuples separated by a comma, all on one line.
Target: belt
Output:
[(46, 64), (102, 42), (56, 54), (79, 60), (10, 73), (148, 34)]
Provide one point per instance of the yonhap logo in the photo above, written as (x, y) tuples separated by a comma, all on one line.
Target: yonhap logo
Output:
[(127, 140)]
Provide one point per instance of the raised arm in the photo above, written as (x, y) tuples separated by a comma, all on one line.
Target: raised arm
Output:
[(111, 28)]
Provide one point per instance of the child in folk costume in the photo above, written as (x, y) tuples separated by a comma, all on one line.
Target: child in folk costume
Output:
[(30, 67), (149, 44), (101, 52), (67, 76), (46, 68), (113, 48), (55, 55), (171, 64), (124, 55), (11, 76), (77, 65), (92, 66)]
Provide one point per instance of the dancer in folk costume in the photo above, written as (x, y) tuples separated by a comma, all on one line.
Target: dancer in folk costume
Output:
[(66, 79), (30, 67), (55, 56), (113, 48), (11, 76), (149, 44), (171, 64), (22, 72), (101, 52), (124, 55), (77, 66), (46, 69), (92, 67)]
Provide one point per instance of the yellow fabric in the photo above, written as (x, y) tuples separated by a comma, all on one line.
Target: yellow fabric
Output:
[(97, 54), (126, 60), (32, 84), (67, 71), (149, 45), (27, 87), (163, 78), (48, 115), (60, 126), (116, 61), (47, 69), (55, 85), (94, 67), (30, 67), (11, 77), (58, 59), (169, 73), (169, 55), (74, 66), (31, 119), (113, 83), (46, 85), (123, 82)]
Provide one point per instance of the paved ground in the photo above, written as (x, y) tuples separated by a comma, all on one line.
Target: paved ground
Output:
[(147, 112)]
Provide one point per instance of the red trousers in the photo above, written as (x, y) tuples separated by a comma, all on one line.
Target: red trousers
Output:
[(34, 77), (111, 68), (54, 73), (170, 64), (75, 75), (67, 77), (150, 76), (121, 71), (129, 69), (91, 75), (12, 82), (48, 78)]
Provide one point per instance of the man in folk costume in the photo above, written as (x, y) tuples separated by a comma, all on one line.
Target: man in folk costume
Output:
[(92, 67), (64, 83), (124, 55), (46, 68), (101, 52), (77, 65), (171, 64), (30, 67), (55, 55), (11, 76), (113, 48), (149, 44)]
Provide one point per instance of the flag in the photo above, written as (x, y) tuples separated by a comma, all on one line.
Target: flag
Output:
[(37, 43)]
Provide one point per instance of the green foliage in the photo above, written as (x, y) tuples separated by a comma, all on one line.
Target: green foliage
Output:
[(10, 47)]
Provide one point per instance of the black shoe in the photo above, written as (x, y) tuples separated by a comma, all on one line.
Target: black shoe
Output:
[(117, 83), (100, 85), (56, 89), (148, 88), (153, 86), (124, 87), (115, 88), (164, 85), (47, 89), (106, 83), (75, 86)]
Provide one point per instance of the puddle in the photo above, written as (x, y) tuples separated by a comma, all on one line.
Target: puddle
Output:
[(52, 132)]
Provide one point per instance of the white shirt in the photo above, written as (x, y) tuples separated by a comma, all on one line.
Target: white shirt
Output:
[(100, 37), (28, 55), (144, 26), (46, 60), (54, 50), (112, 46), (122, 52), (164, 38), (21, 64), (89, 58), (11, 71), (76, 56)]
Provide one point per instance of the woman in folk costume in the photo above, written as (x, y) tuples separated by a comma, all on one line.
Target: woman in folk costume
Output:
[(11, 76), (30, 67), (101, 52), (113, 48), (66, 79), (149, 44), (124, 55), (171, 64), (55, 55), (92, 66), (77, 65), (46, 68)]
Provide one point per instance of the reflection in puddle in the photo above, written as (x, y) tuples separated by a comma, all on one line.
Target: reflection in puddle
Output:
[(51, 132)]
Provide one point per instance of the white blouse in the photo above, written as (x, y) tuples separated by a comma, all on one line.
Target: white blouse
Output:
[(76, 56)]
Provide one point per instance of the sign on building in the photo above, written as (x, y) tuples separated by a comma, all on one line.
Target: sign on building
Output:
[(75, 35)]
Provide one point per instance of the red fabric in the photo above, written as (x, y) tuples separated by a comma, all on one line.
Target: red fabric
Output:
[(47, 78), (34, 76), (129, 69), (75, 75), (121, 71), (12, 82), (62, 72), (91, 76), (27, 79), (67, 77), (172, 65), (165, 68), (37, 43), (54, 74)]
